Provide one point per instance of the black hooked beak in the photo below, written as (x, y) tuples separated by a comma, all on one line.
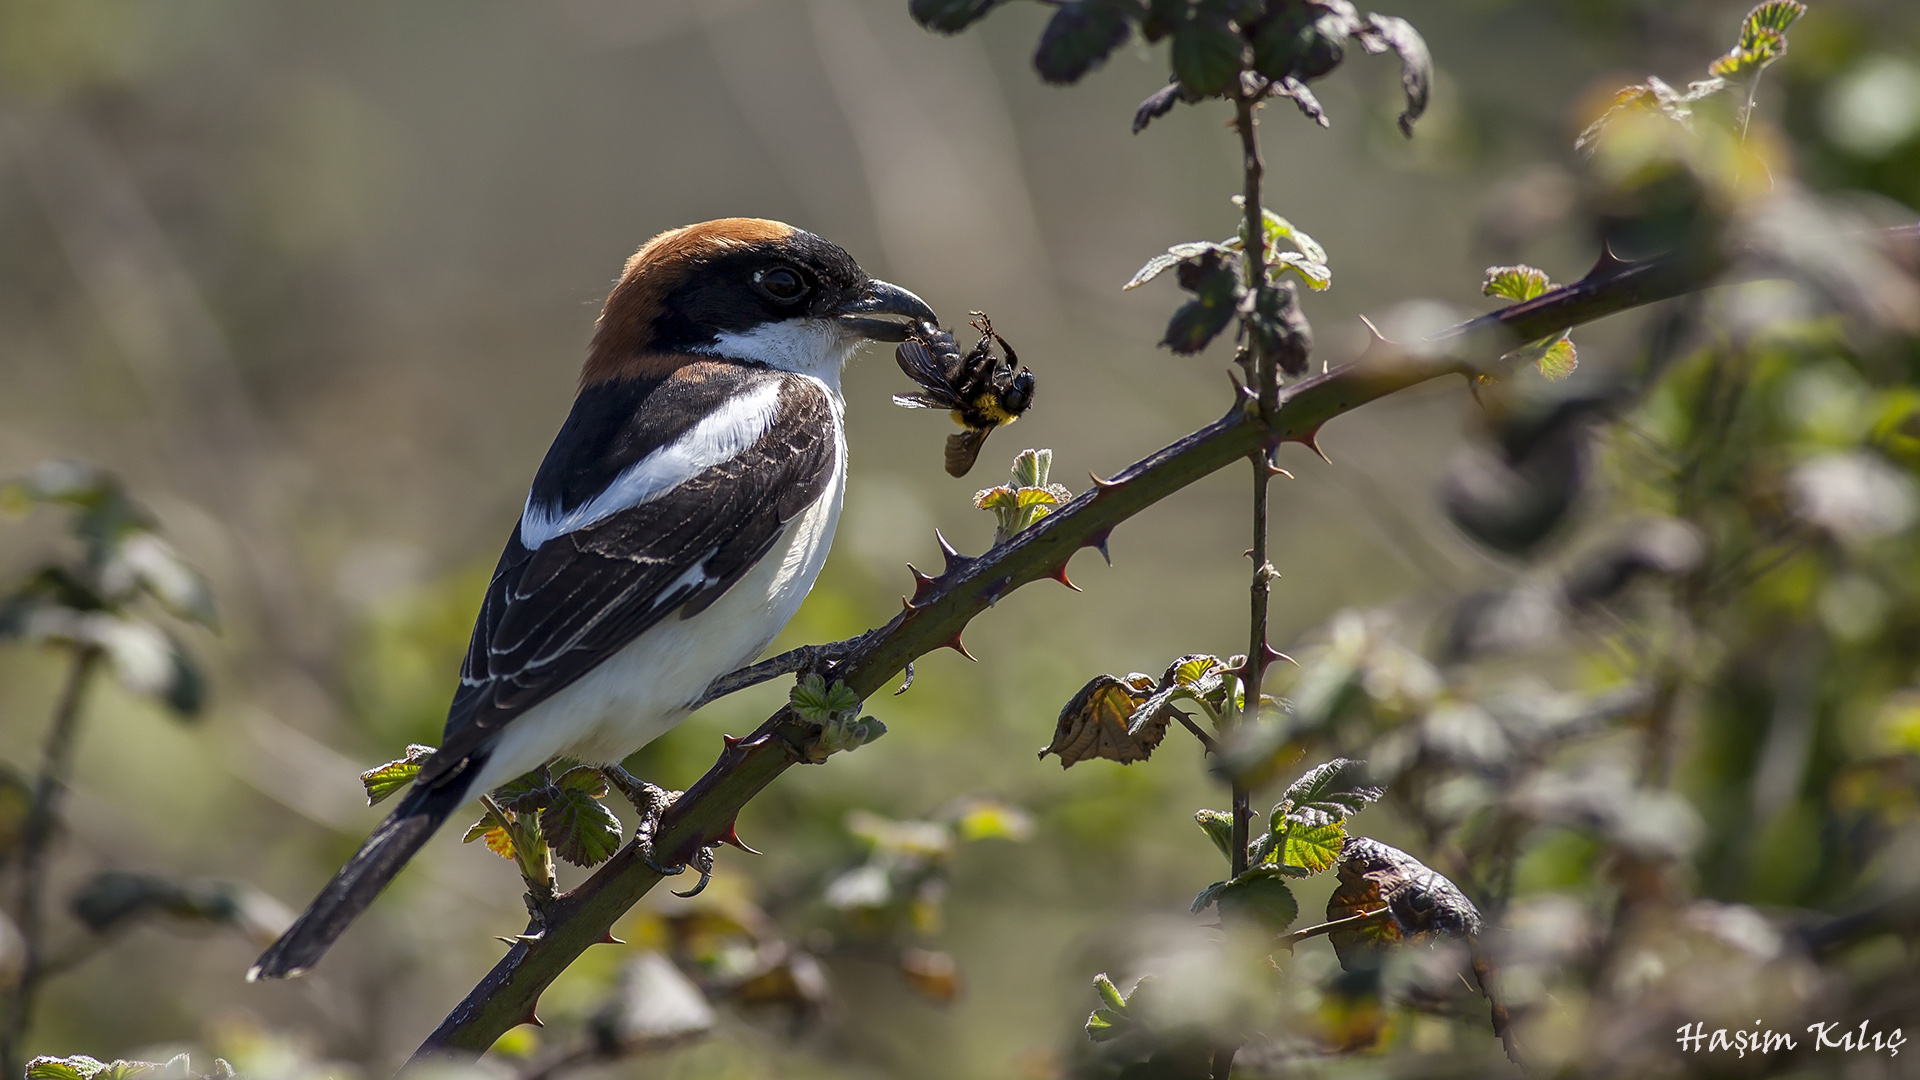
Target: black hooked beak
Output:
[(880, 298)]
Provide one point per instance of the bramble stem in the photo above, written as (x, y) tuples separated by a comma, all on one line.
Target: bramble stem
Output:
[(56, 764)]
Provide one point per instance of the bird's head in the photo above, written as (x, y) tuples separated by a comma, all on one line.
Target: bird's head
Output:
[(748, 289)]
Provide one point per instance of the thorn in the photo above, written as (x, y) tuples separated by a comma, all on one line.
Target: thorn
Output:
[(533, 1017), (1275, 654), (958, 646), (1606, 265), (1102, 486), (732, 836), (608, 939), (1099, 540), (908, 685), (922, 583), (1374, 330), (1060, 575), (954, 560), (907, 606), (731, 741), (1310, 440), (529, 940)]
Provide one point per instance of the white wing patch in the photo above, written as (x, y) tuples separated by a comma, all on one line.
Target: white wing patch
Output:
[(720, 437)]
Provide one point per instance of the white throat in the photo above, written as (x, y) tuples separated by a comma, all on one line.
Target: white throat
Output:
[(816, 347)]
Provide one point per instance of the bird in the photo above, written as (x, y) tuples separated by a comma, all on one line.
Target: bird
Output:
[(677, 521)]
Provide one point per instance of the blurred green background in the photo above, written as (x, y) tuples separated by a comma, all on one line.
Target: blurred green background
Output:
[(316, 280)]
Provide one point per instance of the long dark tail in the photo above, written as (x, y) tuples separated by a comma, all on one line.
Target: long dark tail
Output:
[(420, 814)]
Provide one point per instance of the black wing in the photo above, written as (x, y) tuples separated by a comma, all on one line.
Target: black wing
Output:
[(933, 364), (553, 613)]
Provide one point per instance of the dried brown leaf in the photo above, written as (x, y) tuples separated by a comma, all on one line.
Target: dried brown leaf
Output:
[(1094, 724)]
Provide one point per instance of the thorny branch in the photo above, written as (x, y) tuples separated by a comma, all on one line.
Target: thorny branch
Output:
[(942, 606)]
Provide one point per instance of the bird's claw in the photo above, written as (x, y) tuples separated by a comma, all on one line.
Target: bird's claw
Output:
[(702, 861), (650, 801)]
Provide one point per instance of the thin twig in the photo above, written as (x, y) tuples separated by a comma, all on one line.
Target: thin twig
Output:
[(1351, 922), (56, 764)]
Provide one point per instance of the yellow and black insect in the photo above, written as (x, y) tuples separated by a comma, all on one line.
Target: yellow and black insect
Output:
[(982, 391)]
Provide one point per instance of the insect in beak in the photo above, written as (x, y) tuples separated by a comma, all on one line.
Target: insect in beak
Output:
[(980, 390)]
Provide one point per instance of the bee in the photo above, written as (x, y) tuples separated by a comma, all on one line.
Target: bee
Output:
[(981, 391)]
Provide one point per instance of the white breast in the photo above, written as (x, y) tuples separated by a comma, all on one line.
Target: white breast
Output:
[(644, 690)]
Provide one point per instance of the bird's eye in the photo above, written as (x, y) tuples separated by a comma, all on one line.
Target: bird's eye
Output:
[(781, 283)]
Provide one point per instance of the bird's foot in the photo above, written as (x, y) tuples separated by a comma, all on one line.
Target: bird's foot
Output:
[(817, 659), (650, 801)]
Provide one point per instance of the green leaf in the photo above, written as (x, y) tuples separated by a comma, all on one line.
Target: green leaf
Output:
[(1774, 15), (499, 841), (82, 1067), (1206, 897), (1080, 36), (383, 780), (1174, 256), (1328, 793), (1279, 231), (1302, 41), (579, 828), (584, 779), (1206, 55), (1199, 672), (1517, 283), (1385, 32), (1110, 993), (1163, 17), (525, 793), (1317, 275), (950, 16), (843, 732), (1763, 39), (1217, 292), (1261, 896), (1105, 1024), (1218, 825), (1031, 467), (1314, 847), (819, 703), (1559, 359)]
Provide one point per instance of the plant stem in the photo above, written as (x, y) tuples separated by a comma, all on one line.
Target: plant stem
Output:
[(1266, 375), (582, 917), (1264, 370), (56, 764), (1351, 922)]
